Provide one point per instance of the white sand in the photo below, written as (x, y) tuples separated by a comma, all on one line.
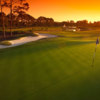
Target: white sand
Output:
[(24, 40)]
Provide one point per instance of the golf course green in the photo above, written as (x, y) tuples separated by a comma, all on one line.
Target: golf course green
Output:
[(52, 69)]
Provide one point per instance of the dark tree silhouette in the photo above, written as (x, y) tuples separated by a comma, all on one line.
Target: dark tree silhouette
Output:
[(16, 7), (2, 5)]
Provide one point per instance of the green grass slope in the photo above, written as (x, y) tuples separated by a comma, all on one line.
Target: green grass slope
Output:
[(50, 69)]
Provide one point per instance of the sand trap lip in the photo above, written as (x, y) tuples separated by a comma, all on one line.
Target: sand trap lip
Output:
[(28, 39)]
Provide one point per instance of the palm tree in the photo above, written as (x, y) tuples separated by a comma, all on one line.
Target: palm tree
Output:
[(2, 15), (22, 5), (11, 9)]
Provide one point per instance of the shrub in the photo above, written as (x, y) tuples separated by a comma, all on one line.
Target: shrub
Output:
[(32, 33)]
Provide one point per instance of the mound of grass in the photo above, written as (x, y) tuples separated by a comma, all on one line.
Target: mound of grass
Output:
[(22, 33), (35, 34), (6, 43)]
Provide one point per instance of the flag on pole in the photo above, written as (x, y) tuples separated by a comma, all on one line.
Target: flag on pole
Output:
[(97, 42)]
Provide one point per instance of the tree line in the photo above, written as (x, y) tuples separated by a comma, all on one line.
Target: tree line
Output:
[(22, 19), (25, 20), (15, 7)]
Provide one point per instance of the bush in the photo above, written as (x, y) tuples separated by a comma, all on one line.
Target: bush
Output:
[(32, 33), (6, 43), (18, 34)]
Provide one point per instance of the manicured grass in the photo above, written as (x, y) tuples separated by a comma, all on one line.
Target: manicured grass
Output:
[(51, 69)]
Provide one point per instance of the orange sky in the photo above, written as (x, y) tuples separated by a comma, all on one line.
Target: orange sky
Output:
[(62, 10)]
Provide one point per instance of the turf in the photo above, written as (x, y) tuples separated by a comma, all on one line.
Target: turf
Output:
[(50, 69)]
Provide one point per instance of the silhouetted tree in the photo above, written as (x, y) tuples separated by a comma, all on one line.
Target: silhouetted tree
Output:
[(25, 19), (82, 23), (43, 21), (13, 19), (16, 6), (2, 5)]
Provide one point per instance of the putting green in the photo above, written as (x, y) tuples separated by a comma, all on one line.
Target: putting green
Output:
[(50, 69)]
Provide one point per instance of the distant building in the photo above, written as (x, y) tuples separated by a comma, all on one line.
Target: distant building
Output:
[(70, 28)]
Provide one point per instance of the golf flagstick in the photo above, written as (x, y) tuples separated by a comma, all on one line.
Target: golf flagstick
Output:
[(97, 42)]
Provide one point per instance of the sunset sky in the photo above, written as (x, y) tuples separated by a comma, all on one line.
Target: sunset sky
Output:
[(62, 10)]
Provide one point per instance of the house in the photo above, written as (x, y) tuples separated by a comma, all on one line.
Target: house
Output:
[(70, 28)]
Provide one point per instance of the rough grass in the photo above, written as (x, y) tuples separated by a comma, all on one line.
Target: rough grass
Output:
[(6, 43), (51, 69)]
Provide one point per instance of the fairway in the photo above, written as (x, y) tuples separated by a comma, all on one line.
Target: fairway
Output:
[(51, 69)]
